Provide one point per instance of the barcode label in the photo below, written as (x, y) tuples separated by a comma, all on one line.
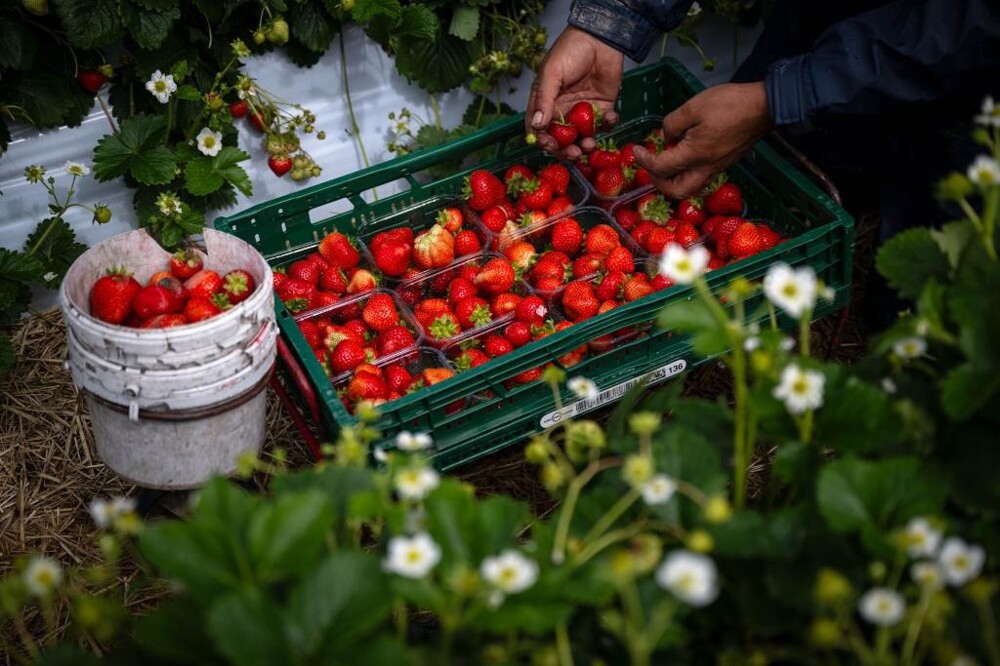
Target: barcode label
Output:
[(613, 393)]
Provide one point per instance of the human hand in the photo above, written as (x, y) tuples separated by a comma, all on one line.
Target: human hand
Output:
[(712, 131), (577, 67)]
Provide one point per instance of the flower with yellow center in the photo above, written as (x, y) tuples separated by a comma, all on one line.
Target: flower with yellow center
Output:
[(691, 577), (910, 347), (960, 562), (791, 289), (416, 483), (801, 390), (509, 572), (412, 557), (984, 171), (882, 607), (161, 86), (42, 576), (209, 142), (683, 266)]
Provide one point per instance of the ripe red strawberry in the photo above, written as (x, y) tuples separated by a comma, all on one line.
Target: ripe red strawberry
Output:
[(393, 339), (605, 156), (642, 177), (199, 308), (586, 264), (495, 276), (360, 281), (380, 312), (470, 358), (556, 175), (518, 332), (432, 376), (547, 267), (636, 289), (563, 132), (347, 355), (279, 164), (535, 194), (691, 210), (165, 321), (505, 303), (310, 331), (440, 281), (258, 120), (185, 263), (547, 285), (610, 286), (627, 218), (585, 117), (620, 259), (153, 300), (660, 281), (297, 295), (497, 345), (172, 284), (91, 80), (768, 237), (515, 174), (460, 289), (708, 226), (444, 326), (721, 233), (528, 376), (305, 270), (628, 154), (451, 219), (466, 243), (238, 285), (685, 234), (325, 298), (204, 283), (559, 205), (399, 234), (726, 199), (483, 189), (494, 218), (429, 309), (112, 294), (366, 386), (333, 280), (744, 241), (433, 248), (579, 301), (567, 236), (653, 206), (397, 378), (610, 182), (601, 239), (473, 312), (531, 310), (409, 293), (239, 108), (338, 249), (278, 276), (392, 257), (657, 239)]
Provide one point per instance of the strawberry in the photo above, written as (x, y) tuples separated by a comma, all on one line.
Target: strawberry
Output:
[(451, 219), (556, 175), (473, 312), (620, 259), (483, 189), (433, 248), (586, 264), (605, 156), (518, 332), (642, 177), (258, 120), (185, 263), (721, 233), (393, 339), (199, 308), (495, 276), (279, 164), (297, 295), (432, 376), (165, 321), (305, 270), (559, 205), (323, 357), (310, 331), (653, 206), (691, 210), (360, 281), (347, 355), (497, 345), (610, 182), (239, 108), (515, 175), (610, 286), (686, 235), (380, 312), (494, 218), (535, 194), (278, 276), (627, 218), (567, 236), (563, 132), (333, 280), (334, 335), (429, 309), (505, 303), (547, 285), (444, 326), (153, 300), (339, 250), (392, 257), (238, 285), (91, 80), (397, 378), (744, 241), (528, 376), (466, 243), (708, 226), (400, 234), (366, 386), (585, 117), (203, 283), (768, 237), (601, 239), (579, 301), (725, 199), (171, 284), (112, 294), (409, 293), (657, 239), (460, 289), (660, 281), (551, 266), (440, 281), (636, 289), (531, 310), (470, 358), (628, 154), (325, 298)]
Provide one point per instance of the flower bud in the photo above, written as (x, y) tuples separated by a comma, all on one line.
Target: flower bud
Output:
[(553, 375), (700, 541), (537, 451), (585, 434), (106, 70), (832, 588), (717, 509), (259, 37), (644, 423), (552, 477), (637, 470), (824, 633)]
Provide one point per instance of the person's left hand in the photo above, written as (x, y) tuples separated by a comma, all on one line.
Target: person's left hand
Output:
[(712, 130)]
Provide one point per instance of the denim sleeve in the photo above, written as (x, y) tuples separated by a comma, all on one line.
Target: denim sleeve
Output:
[(631, 26), (905, 52)]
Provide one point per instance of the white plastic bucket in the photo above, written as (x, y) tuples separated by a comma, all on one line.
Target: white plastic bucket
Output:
[(172, 407)]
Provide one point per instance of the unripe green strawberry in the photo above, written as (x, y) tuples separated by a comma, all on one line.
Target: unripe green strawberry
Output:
[(278, 33), (259, 37), (102, 214)]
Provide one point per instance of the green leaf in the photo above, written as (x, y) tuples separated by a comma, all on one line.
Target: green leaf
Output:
[(7, 357), (54, 244), (340, 602), (148, 27), (287, 537), (90, 23), (157, 5), (17, 44), (365, 10), (19, 267), (967, 389), (227, 505), (67, 655), (47, 97), (204, 175), (694, 317), (244, 626), (854, 494), (744, 535), (196, 554), (4, 136), (313, 27), (975, 303), (909, 259), (417, 22), (464, 22), (436, 66), (175, 631), (856, 416), (15, 297), (686, 455), (135, 150), (953, 238), (379, 651), (188, 93)]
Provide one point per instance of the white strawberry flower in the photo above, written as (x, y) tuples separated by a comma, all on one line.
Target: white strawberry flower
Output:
[(694, 10), (751, 344), (410, 442), (691, 577), (162, 86), (683, 266), (583, 388), (76, 168), (984, 171), (963, 660), (786, 344), (828, 293), (658, 490), (209, 142), (169, 204), (42, 576), (990, 115), (106, 513), (927, 575), (416, 483), (378, 453), (412, 557), (889, 385), (509, 572), (910, 347), (791, 289), (960, 562), (920, 538), (800, 390), (882, 607)]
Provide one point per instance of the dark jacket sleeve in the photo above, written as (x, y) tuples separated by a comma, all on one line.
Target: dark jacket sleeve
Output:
[(631, 26), (904, 52)]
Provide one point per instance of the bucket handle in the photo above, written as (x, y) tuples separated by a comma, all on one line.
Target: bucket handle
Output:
[(132, 393)]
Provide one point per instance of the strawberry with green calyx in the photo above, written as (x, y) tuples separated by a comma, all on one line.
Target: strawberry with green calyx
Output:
[(556, 175), (185, 263), (297, 295), (433, 248), (451, 219), (333, 280), (102, 214), (221, 301), (723, 197), (111, 295), (585, 117), (609, 288), (429, 309), (579, 301), (654, 207), (521, 255), (483, 190), (394, 339), (339, 250), (200, 308), (531, 310), (586, 264), (397, 378), (605, 155), (495, 276), (238, 284), (497, 345), (611, 182), (535, 195), (563, 131), (470, 358), (203, 283), (347, 355), (692, 210), (445, 326), (567, 236), (362, 280), (473, 312), (279, 164), (515, 176)]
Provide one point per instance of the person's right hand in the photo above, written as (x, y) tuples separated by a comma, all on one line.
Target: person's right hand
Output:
[(577, 67)]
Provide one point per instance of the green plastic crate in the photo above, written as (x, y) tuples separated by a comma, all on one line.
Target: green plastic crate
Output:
[(821, 235)]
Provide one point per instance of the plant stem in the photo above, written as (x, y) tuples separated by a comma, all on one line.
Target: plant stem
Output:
[(613, 537), (740, 440), (989, 627), (355, 131), (437, 111), (772, 316), (804, 333), (170, 121), (482, 108), (566, 517), (663, 45), (989, 221), (562, 645), (913, 631), (45, 234), (107, 114), (611, 515)]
